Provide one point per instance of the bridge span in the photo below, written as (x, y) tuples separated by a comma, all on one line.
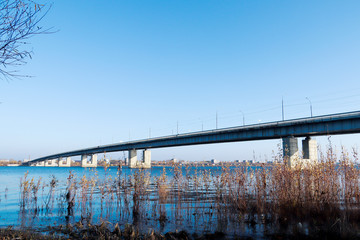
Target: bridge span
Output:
[(288, 130)]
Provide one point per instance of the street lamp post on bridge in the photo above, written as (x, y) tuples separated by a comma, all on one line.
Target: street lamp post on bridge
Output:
[(311, 113), (243, 117)]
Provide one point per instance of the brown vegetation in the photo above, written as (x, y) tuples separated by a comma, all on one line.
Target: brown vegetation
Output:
[(322, 198)]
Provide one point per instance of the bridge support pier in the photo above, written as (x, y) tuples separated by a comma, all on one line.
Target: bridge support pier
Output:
[(134, 163), (51, 163), (310, 154), (66, 163), (38, 164), (147, 159), (92, 163), (291, 152), (132, 160)]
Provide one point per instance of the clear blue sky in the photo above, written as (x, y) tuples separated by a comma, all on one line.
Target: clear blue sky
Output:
[(117, 68)]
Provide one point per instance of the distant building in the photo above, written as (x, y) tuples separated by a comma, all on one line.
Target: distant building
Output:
[(214, 161), (114, 162), (13, 165)]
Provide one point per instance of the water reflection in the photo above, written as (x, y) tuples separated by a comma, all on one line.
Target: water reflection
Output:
[(243, 201)]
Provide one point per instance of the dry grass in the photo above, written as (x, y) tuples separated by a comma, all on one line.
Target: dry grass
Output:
[(322, 197)]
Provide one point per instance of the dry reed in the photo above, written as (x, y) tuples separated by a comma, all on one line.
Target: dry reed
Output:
[(322, 196)]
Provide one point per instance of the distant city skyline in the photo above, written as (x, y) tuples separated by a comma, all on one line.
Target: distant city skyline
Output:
[(125, 70)]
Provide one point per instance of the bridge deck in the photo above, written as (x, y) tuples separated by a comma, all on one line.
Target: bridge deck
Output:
[(343, 123)]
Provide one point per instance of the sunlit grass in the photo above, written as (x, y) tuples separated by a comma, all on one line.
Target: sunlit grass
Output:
[(325, 195)]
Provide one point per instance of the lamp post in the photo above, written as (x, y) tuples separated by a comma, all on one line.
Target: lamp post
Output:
[(310, 106), (282, 107), (216, 120), (243, 117)]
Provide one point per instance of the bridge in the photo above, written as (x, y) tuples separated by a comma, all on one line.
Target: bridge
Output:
[(289, 131)]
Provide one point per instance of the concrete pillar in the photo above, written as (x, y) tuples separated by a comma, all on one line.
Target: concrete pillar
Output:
[(92, 163), (310, 149), (146, 159), (132, 158), (51, 163), (84, 160), (290, 150), (66, 163), (38, 164), (94, 160)]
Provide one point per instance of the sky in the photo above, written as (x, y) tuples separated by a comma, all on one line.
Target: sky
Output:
[(119, 70)]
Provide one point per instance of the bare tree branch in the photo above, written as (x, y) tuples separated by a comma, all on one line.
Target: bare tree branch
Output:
[(19, 21)]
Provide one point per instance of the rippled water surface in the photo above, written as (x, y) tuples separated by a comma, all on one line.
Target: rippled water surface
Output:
[(111, 197)]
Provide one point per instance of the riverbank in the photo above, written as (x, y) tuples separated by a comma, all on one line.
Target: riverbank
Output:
[(95, 232)]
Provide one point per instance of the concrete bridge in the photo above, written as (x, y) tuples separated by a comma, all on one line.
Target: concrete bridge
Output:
[(288, 131)]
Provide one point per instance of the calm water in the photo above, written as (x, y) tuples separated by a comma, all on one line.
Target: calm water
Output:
[(10, 184), (191, 212)]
